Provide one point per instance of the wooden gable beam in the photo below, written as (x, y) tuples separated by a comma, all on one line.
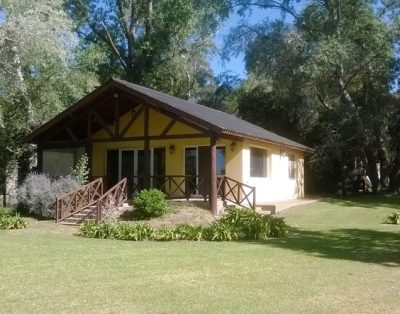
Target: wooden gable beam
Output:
[(71, 134), (103, 124), (168, 127), (127, 127)]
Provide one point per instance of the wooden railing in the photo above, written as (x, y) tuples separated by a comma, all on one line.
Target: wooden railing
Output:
[(113, 198), (175, 186), (78, 200), (186, 186), (236, 192)]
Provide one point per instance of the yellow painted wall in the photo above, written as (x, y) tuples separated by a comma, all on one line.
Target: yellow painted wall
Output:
[(157, 123), (277, 185)]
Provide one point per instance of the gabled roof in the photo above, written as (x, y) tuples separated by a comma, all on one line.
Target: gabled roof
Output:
[(215, 120)]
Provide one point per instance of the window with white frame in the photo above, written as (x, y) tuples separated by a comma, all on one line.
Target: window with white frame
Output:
[(292, 166), (258, 162)]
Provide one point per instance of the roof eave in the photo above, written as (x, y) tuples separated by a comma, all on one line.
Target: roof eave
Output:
[(304, 149)]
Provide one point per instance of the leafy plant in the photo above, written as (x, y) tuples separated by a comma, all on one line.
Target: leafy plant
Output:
[(11, 222), (190, 232), (253, 225), (393, 218), (81, 170), (150, 203), (166, 234), (223, 231), (238, 224), (38, 193)]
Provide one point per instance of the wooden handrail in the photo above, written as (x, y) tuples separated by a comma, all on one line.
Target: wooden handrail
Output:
[(78, 200), (114, 197), (237, 192), (176, 185)]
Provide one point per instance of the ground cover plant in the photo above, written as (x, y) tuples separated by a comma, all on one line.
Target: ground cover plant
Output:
[(10, 221), (339, 258), (393, 218), (237, 224)]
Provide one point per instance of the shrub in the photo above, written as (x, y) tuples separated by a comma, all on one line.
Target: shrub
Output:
[(81, 170), (150, 203), (238, 224), (253, 225), (4, 211), (38, 193), (11, 222), (394, 218)]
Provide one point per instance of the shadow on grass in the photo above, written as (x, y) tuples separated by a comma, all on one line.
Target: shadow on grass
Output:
[(133, 215), (368, 246), (367, 201)]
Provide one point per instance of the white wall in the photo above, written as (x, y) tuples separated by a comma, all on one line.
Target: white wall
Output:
[(277, 185)]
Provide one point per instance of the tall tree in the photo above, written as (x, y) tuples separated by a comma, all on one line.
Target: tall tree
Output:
[(39, 75), (332, 70), (158, 43)]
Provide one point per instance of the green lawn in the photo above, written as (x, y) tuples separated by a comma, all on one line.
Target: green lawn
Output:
[(340, 259)]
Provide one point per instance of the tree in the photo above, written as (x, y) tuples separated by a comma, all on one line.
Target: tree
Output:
[(159, 43), (331, 71), (39, 74)]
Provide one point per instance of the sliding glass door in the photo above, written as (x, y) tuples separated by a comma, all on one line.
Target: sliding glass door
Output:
[(129, 163)]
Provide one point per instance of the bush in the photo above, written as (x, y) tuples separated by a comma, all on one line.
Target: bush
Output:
[(38, 193), (4, 211), (11, 222), (252, 225), (150, 203), (394, 218)]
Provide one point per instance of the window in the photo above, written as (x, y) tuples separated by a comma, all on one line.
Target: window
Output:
[(59, 161), (292, 167), (258, 162)]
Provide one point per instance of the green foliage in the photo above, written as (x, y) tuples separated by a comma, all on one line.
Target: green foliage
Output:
[(4, 211), (393, 218), (81, 170), (150, 203), (191, 233), (38, 193), (252, 225), (223, 231), (238, 224), (8, 221), (330, 77), (160, 44)]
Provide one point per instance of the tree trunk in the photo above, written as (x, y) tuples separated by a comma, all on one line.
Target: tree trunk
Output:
[(22, 86)]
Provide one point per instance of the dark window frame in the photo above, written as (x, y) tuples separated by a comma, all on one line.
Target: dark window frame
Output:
[(258, 162)]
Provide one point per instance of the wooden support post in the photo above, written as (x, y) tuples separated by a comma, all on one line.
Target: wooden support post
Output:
[(146, 162), (39, 155), (89, 154), (116, 118), (213, 175)]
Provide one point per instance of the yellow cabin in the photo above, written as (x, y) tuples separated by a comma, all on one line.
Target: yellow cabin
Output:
[(185, 149)]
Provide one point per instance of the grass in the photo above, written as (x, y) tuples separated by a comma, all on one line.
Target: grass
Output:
[(340, 259)]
